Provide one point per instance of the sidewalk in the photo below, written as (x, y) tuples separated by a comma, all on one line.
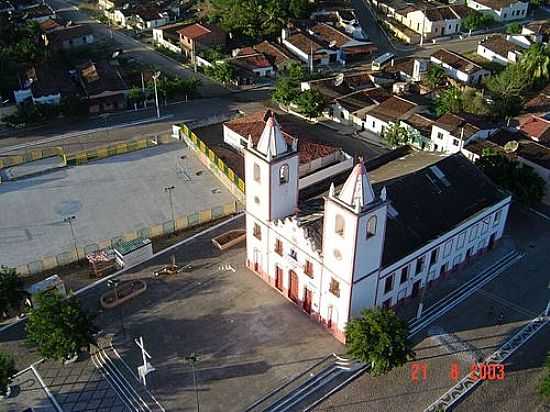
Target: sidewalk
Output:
[(27, 392)]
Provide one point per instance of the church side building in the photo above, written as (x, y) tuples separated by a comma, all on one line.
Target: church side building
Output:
[(362, 245)]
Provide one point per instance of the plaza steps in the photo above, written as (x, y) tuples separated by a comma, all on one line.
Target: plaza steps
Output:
[(303, 391), (123, 381)]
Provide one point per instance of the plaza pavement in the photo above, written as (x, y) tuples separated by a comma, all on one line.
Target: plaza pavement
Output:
[(109, 197)]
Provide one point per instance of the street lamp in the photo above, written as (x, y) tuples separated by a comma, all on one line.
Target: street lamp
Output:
[(169, 189), (113, 284), (69, 220), (193, 359), (155, 77)]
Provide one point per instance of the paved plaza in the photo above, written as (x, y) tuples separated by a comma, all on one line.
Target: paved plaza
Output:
[(109, 197)]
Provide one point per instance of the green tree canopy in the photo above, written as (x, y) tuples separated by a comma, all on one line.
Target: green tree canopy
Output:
[(7, 370), (513, 28), (435, 76), (449, 101), (379, 338), (507, 89), (526, 185), (476, 20), (536, 63), (11, 290), (397, 135), (59, 327), (286, 91), (222, 72), (310, 103)]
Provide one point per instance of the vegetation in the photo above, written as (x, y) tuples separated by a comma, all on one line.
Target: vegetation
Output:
[(507, 89), (212, 54), (476, 20), (379, 338), (11, 290), (257, 18), (59, 327), (544, 385), (449, 101), (513, 28), (287, 87), (474, 102), (435, 76), (170, 87), (526, 185), (7, 370), (222, 72), (536, 63), (310, 103), (397, 135)]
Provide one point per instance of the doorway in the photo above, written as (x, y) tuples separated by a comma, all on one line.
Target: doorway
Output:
[(307, 300), (257, 257), (293, 285), (492, 241), (279, 278), (416, 289)]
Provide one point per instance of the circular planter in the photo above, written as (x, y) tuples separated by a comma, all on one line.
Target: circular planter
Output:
[(125, 292)]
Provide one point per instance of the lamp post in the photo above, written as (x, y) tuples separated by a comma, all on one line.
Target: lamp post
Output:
[(155, 77), (113, 284), (169, 189), (193, 359), (69, 220)]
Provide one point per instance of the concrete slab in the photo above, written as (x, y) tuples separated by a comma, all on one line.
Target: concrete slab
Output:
[(108, 197), (27, 392), (32, 168)]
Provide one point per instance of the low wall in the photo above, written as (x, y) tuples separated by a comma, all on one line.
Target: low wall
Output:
[(208, 157), (29, 156), (181, 222)]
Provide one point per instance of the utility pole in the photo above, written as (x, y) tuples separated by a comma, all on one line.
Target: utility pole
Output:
[(69, 220), (194, 55), (169, 189), (155, 77), (193, 359)]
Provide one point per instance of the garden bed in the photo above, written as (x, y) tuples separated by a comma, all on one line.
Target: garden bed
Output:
[(229, 239), (124, 292)]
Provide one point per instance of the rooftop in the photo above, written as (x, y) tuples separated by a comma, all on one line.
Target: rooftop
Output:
[(331, 35), (456, 61), (197, 30), (462, 125), (535, 127), (356, 101), (500, 45), (332, 88), (100, 77), (497, 4), (392, 109), (421, 123), (70, 32), (273, 52)]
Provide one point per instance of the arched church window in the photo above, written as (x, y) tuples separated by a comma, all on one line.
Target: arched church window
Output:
[(339, 225), (256, 172), (283, 174), (371, 227)]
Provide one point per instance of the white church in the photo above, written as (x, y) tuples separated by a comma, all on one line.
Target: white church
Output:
[(362, 245)]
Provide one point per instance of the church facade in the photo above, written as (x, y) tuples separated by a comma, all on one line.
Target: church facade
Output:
[(362, 245)]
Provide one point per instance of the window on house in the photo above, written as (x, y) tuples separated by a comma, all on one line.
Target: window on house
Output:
[(448, 247), (283, 174), (388, 285), (439, 135), (404, 275), (460, 242), (334, 287), (308, 269), (456, 142), (419, 265), (257, 231), (485, 225), (386, 304), (293, 254), (339, 225), (373, 124), (257, 177), (371, 227), (496, 220), (279, 247), (473, 232), (433, 257)]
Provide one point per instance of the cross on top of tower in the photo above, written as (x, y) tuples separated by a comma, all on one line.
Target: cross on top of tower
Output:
[(272, 142)]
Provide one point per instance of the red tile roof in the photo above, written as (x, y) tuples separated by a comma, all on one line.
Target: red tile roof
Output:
[(535, 127), (392, 109), (253, 125), (197, 30)]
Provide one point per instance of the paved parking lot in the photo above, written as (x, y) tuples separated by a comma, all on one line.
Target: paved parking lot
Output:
[(249, 338), (108, 197)]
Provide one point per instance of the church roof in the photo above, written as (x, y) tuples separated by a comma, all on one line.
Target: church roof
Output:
[(272, 143), (357, 190), (429, 196)]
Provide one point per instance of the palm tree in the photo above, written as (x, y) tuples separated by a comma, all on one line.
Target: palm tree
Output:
[(536, 62)]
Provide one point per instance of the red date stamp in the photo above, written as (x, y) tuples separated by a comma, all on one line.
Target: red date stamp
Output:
[(478, 371)]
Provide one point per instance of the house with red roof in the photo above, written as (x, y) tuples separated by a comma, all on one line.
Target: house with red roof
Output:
[(196, 36)]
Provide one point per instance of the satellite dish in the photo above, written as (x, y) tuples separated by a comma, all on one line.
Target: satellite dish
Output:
[(511, 146), (339, 79)]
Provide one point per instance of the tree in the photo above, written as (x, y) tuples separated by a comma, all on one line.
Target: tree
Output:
[(435, 76), (59, 327), (475, 103), (507, 89), (286, 91), (295, 71), (222, 72), (449, 101), (379, 338), (513, 28), (135, 95), (544, 385), (310, 103), (526, 185), (300, 9), (536, 63), (396, 135), (11, 290), (476, 20), (7, 370)]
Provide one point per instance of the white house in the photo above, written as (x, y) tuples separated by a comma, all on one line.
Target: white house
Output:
[(459, 67), (499, 49), (501, 10), (451, 132), (167, 36), (361, 245), (390, 111)]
